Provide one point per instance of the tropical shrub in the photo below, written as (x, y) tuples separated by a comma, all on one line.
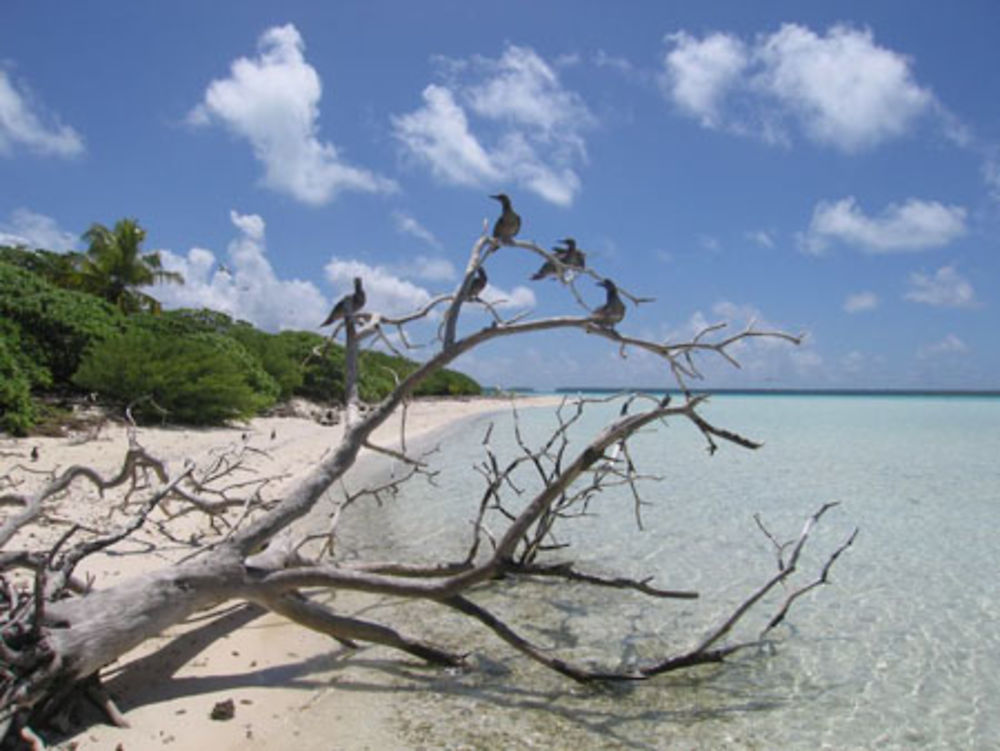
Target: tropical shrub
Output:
[(56, 325), (17, 411), (202, 378)]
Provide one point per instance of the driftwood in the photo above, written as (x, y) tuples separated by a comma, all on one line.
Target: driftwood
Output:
[(57, 632)]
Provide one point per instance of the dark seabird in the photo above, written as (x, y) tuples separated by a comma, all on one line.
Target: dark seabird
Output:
[(353, 302), (613, 309), (34, 453), (570, 256), (509, 223), (477, 285)]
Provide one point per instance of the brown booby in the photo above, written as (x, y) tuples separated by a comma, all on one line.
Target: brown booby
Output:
[(477, 285), (570, 257), (508, 224), (348, 304), (613, 309)]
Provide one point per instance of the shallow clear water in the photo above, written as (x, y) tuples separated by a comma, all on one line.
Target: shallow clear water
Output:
[(902, 651)]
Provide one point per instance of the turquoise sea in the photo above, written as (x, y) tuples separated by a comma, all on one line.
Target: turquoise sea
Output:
[(901, 651)]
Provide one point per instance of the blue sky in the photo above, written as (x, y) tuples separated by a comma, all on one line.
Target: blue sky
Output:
[(828, 168)]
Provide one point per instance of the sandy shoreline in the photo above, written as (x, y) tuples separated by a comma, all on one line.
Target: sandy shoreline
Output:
[(290, 686)]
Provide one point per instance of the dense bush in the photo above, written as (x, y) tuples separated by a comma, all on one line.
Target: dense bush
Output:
[(279, 354), (57, 325), (17, 411), (203, 378), (200, 365)]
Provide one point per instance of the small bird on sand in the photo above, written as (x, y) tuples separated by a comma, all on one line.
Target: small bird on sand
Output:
[(613, 309), (570, 256), (509, 223), (477, 285), (34, 453), (348, 304)]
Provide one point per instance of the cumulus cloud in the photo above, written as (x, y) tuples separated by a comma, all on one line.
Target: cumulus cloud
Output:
[(840, 89), (387, 293), (246, 287), (519, 297), (945, 289), (763, 360), (23, 123), (33, 230), (429, 268), (699, 73), (392, 295), (861, 302), (272, 100), (950, 345), (914, 225), (529, 127)]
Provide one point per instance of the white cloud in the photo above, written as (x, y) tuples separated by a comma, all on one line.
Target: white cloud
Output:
[(914, 225), (438, 135), (861, 302), (35, 231), (518, 298), (272, 101), (840, 89), (247, 288), (433, 269), (699, 73), (523, 89), (950, 345), (21, 123), (945, 289), (763, 360), (407, 225), (529, 127), (387, 293), (844, 89), (603, 59)]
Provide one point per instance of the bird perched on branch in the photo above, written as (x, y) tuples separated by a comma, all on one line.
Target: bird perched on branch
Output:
[(613, 309), (509, 223), (348, 304), (570, 256), (477, 285)]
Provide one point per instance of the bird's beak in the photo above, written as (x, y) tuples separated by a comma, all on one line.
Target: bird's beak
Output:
[(495, 197)]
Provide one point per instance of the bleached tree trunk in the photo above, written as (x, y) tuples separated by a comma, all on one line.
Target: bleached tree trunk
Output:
[(56, 635)]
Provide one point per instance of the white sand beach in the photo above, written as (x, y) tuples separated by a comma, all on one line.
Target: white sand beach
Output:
[(290, 687)]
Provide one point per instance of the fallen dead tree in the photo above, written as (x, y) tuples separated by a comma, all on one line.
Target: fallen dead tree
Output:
[(58, 630)]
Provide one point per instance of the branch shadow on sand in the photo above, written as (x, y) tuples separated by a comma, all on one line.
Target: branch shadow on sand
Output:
[(621, 714)]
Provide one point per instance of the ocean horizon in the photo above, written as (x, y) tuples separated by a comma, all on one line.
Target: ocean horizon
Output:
[(763, 391)]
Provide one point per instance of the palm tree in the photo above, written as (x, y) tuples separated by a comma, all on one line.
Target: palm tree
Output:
[(114, 266)]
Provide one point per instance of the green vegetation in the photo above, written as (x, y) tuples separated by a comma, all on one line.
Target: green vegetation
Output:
[(114, 266), (17, 411), (196, 379), (62, 329), (55, 325)]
